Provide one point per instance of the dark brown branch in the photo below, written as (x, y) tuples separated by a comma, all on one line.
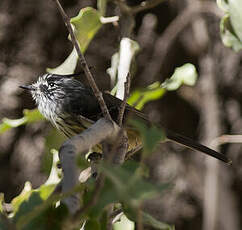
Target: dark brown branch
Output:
[(126, 94), (84, 65)]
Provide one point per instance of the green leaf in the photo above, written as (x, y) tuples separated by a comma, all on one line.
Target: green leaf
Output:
[(37, 214), (227, 34), (124, 223), (86, 24), (151, 136), (92, 224), (53, 141), (223, 4), (235, 9), (118, 189), (54, 175), (8, 124), (1, 202), (140, 97), (29, 117), (113, 70), (231, 23), (44, 191), (133, 191), (33, 115), (185, 74), (107, 196), (23, 196)]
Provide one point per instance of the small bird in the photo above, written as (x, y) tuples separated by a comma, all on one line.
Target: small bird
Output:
[(72, 107)]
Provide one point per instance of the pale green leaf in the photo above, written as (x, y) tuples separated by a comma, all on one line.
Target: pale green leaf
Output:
[(86, 24), (185, 74), (55, 171), (223, 4), (227, 34), (24, 195), (235, 9), (113, 70), (135, 190), (53, 140), (140, 97), (29, 116), (124, 223), (231, 23), (151, 136), (32, 115), (1, 202), (8, 124)]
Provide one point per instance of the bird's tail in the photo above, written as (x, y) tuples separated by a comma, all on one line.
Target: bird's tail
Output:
[(196, 146)]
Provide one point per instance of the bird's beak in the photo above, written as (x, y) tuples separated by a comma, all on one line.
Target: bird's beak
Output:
[(28, 87)]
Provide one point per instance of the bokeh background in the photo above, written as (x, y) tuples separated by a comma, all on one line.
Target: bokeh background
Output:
[(207, 193)]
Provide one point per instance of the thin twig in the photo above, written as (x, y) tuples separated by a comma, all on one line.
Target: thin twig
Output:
[(123, 105), (84, 65), (145, 5), (224, 139)]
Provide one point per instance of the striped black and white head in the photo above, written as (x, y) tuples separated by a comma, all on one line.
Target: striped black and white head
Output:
[(50, 92)]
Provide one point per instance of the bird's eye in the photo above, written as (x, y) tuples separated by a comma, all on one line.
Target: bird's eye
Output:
[(52, 84)]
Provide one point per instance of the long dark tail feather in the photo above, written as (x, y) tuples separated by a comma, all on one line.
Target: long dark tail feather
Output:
[(196, 146)]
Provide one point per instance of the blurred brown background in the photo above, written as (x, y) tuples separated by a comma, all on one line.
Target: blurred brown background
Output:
[(207, 193)]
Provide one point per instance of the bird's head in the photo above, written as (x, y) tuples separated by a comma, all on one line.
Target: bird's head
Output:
[(50, 90), (52, 87)]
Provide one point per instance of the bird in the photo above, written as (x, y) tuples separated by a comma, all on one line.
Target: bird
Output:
[(72, 107)]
